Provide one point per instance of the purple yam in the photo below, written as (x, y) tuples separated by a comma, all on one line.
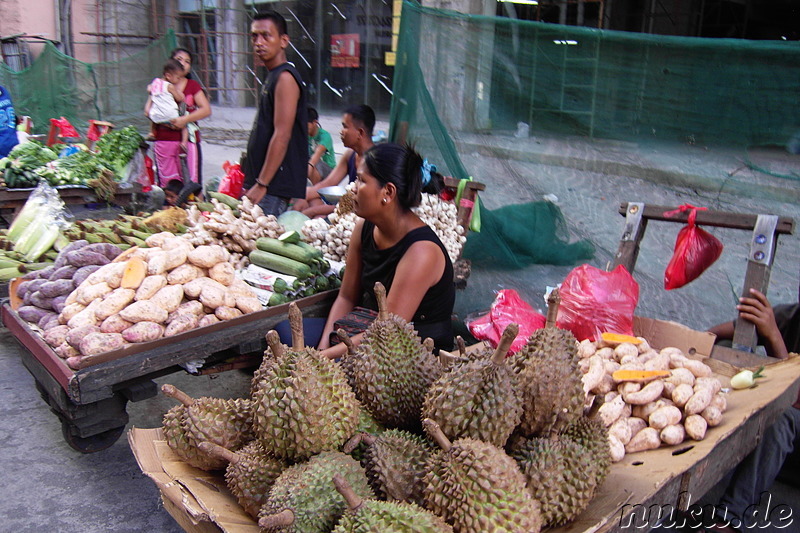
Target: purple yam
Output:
[(61, 259), (111, 251), (31, 313), (59, 287), (81, 258), (76, 335), (83, 273), (48, 320), (65, 272), (29, 286), (40, 300), (44, 273), (59, 302)]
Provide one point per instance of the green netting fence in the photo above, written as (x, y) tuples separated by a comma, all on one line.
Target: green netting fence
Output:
[(57, 85), (460, 73)]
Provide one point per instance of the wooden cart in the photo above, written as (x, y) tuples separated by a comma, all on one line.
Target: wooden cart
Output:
[(91, 402)]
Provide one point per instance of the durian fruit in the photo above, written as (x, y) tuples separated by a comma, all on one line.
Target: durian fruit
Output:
[(475, 487), (366, 425), (226, 422), (250, 473), (372, 516), (592, 434), (267, 360), (462, 355), (303, 499), (302, 403), (550, 381), (396, 464), (559, 474), (391, 369), (479, 399)]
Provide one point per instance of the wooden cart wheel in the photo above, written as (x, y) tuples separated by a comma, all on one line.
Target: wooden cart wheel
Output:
[(94, 443)]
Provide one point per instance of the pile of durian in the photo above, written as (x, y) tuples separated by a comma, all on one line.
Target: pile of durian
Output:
[(648, 398), (391, 439)]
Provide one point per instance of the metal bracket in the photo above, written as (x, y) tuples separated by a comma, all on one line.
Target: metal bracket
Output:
[(633, 219), (763, 244)]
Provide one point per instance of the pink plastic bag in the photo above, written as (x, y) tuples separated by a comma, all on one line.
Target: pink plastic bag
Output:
[(594, 301), (507, 308), (695, 251), (231, 183)]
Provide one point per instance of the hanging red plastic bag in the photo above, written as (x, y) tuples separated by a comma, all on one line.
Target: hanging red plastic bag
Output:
[(695, 251), (594, 301), (231, 183), (506, 309)]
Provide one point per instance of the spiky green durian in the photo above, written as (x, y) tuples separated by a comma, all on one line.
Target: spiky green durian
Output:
[(396, 463), (226, 422), (475, 486), (550, 381), (593, 436), (250, 473), (372, 516), (302, 403), (304, 500), (392, 369), (479, 399)]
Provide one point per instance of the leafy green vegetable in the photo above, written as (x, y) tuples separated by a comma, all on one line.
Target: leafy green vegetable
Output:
[(116, 148), (30, 155)]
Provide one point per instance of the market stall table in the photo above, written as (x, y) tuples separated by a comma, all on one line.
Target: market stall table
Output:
[(91, 402)]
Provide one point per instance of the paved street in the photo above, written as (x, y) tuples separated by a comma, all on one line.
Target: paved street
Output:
[(50, 487)]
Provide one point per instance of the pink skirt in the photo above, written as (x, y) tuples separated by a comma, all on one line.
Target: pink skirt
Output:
[(168, 161)]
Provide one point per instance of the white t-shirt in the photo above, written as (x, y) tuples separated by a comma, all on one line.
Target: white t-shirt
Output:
[(164, 107)]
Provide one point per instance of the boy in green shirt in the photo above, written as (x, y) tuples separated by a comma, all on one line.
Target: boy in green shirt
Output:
[(320, 149)]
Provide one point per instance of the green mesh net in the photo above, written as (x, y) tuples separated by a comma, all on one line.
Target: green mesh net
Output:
[(57, 85)]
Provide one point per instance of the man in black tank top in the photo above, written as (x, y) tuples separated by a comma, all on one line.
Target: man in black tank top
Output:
[(277, 151)]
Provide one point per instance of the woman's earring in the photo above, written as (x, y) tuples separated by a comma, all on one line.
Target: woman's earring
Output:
[(384, 201)]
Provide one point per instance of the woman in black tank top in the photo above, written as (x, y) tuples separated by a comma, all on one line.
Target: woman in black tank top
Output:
[(392, 245)]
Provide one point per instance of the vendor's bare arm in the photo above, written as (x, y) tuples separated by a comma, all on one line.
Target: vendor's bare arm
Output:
[(287, 94)]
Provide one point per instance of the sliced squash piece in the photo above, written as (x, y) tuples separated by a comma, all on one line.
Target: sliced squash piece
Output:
[(639, 376), (612, 339), (126, 254), (134, 274)]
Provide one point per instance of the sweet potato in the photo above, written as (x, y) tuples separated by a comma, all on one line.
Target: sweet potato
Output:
[(157, 239), (65, 351), (586, 349), (646, 439), (709, 382), (29, 286), (609, 412), (113, 273), (65, 272), (224, 312), (150, 285), (184, 274), (223, 273), (664, 416), (143, 332), (207, 256), (44, 273), (720, 401), (681, 375), (628, 387), (213, 294), (636, 424), (621, 430), (96, 343), (606, 353), (644, 411), (51, 289), (672, 434), (110, 251), (59, 302), (649, 393), (712, 416), (82, 258), (681, 394), (192, 307), (591, 379), (207, 320), (669, 389), (89, 293), (70, 310), (698, 368), (40, 300), (696, 427), (75, 336), (193, 288), (142, 311), (55, 336), (45, 319), (617, 449), (180, 324), (625, 349), (61, 259), (168, 298), (165, 260), (74, 362), (114, 302), (699, 401), (31, 313), (83, 273), (658, 362), (114, 324)]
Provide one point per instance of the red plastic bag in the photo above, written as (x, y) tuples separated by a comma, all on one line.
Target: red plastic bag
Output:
[(594, 301), (695, 251), (231, 183), (507, 308), (65, 129)]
